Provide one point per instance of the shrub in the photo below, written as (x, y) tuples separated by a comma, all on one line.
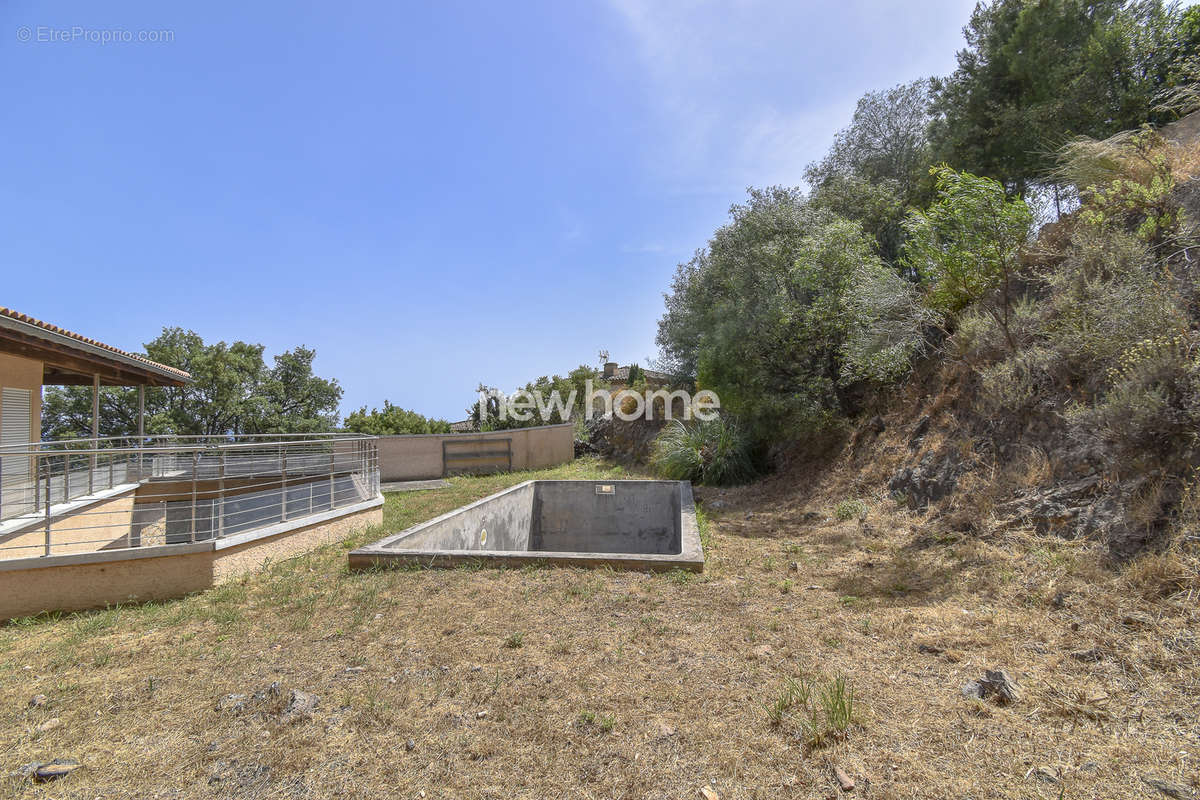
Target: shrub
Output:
[(965, 246), (1152, 410), (1106, 297), (850, 509), (713, 452), (887, 325), (393, 420)]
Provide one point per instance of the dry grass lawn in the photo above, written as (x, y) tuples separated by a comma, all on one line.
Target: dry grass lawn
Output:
[(568, 683)]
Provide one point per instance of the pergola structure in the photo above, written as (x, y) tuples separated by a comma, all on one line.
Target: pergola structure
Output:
[(69, 359)]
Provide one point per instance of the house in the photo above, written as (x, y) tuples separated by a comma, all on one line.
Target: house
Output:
[(89, 522), (618, 376), (34, 354)]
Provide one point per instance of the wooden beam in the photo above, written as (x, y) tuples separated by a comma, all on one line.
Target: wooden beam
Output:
[(65, 366)]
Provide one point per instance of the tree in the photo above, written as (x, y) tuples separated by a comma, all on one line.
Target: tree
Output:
[(571, 390), (293, 399), (878, 165), (1036, 74), (966, 246), (233, 393), (393, 420), (759, 313)]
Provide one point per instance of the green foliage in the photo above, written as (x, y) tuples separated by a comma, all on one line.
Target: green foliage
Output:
[(572, 409), (234, 392), (850, 509), (966, 245), (1104, 299), (877, 165), (821, 716), (393, 420), (1142, 198), (1151, 412), (887, 325), (1035, 74), (712, 452), (759, 315)]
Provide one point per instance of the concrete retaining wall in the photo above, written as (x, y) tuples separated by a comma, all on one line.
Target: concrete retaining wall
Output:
[(93, 580), (419, 457)]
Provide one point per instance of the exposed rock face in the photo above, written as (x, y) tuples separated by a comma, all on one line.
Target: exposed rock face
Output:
[(1084, 508), (626, 442), (931, 479)]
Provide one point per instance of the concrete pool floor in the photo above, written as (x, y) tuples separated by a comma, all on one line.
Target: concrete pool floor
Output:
[(624, 524)]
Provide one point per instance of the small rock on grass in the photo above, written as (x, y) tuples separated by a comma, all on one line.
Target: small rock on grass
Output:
[(708, 793), (234, 703), (58, 768), (845, 782), (49, 725), (1043, 774), (1177, 791), (300, 707), (410, 745), (38, 700), (1001, 684), (995, 683)]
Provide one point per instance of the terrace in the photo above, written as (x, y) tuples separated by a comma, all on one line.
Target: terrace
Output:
[(103, 495)]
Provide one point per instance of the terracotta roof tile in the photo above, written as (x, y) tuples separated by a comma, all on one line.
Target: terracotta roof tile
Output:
[(46, 326)]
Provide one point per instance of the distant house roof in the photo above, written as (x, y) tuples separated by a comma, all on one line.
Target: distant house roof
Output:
[(71, 358), (463, 426), (621, 375)]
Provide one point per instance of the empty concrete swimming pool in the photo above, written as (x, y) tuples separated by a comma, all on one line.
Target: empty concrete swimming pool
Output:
[(643, 525)]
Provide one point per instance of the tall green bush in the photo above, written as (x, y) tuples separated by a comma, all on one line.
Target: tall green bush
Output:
[(713, 452), (966, 245)]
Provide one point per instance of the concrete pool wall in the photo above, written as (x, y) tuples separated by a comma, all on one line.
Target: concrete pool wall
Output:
[(628, 524)]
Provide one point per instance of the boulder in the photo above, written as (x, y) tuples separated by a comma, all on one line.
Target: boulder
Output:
[(931, 479)]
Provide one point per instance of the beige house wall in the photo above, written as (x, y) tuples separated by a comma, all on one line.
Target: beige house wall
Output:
[(419, 457), (96, 526), (25, 373), (125, 577)]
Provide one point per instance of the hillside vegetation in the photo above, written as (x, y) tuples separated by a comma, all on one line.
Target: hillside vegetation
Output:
[(998, 267)]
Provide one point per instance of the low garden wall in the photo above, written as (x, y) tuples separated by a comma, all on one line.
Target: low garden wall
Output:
[(96, 579), (420, 456)]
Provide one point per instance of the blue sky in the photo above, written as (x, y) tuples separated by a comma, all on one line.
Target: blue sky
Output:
[(430, 195)]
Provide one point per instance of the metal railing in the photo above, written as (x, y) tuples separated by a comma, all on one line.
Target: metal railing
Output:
[(84, 495)]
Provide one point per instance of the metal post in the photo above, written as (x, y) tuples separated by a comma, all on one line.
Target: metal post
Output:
[(332, 471), (95, 432), (141, 427), (283, 482), (195, 464), (47, 547), (221, 498)]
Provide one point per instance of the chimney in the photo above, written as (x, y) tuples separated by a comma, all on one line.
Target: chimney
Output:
[(610, 369)]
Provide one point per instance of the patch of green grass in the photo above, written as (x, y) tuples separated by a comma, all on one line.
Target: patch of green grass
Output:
[(794, 694), (850, 509), (597, 722), (680, 577), (705, 527), (821, 716), (515, 640)]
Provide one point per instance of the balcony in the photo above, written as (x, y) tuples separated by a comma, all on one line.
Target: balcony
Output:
[(106, 495)]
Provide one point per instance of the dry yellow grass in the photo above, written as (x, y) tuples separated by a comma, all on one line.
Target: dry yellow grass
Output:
[(599, 684)]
